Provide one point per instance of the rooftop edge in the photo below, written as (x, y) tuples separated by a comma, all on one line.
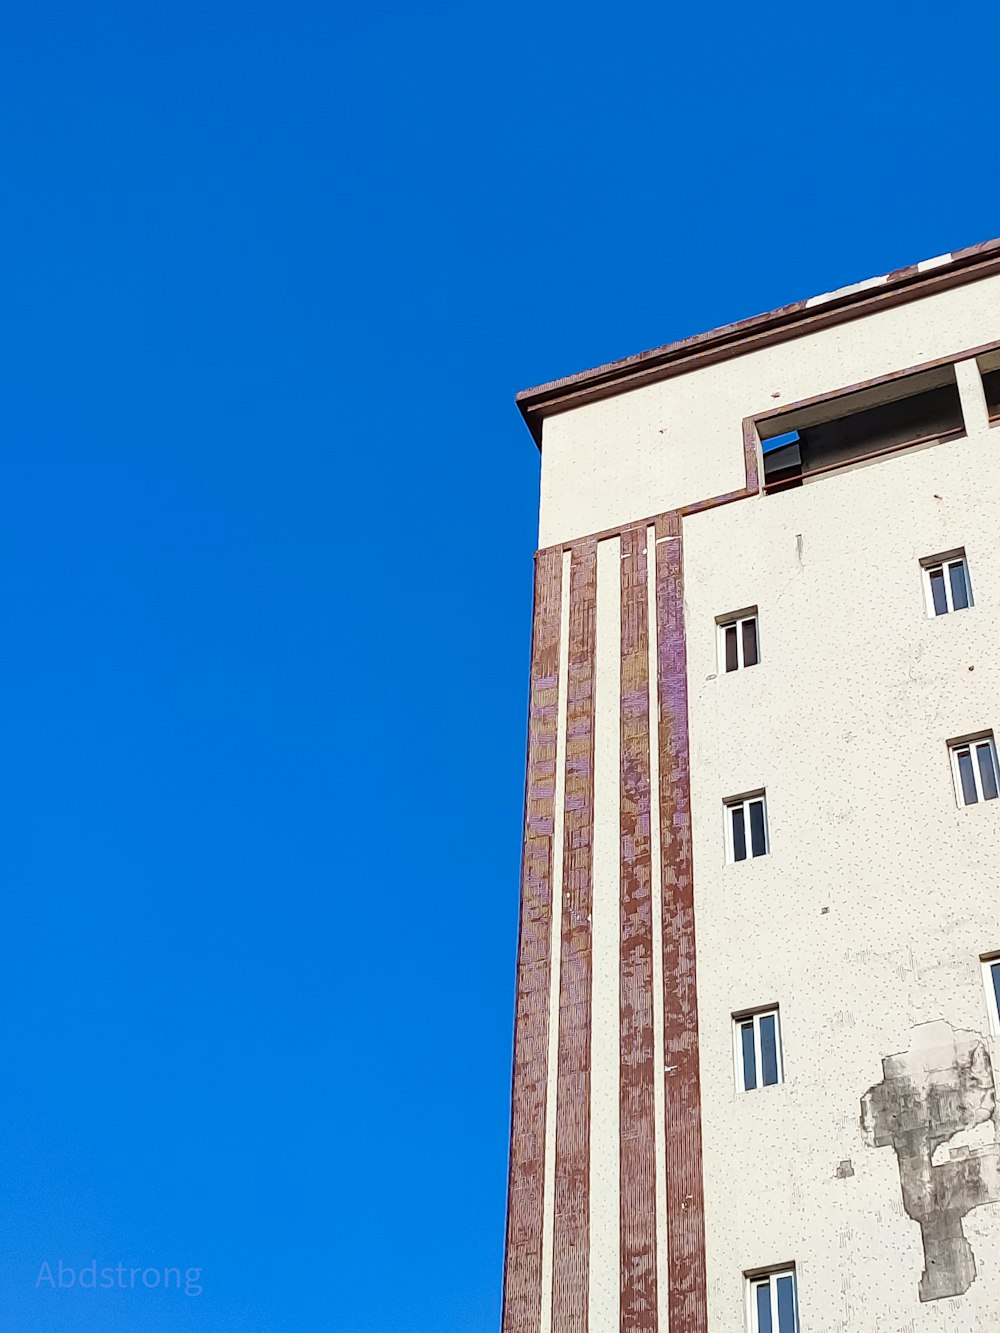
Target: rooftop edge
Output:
[(846, 303)]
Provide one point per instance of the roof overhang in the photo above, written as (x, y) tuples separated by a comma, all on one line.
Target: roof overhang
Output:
[(790, 321)]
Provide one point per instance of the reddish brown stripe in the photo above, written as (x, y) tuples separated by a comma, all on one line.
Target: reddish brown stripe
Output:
[(638, 1115), (682, 1079), (751, 447), (571, 1234), (522, 1302)]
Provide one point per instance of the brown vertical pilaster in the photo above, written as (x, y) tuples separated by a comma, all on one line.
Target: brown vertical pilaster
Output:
[(638, 1063), (522, 1302), (571, 1233), (682, 1079)]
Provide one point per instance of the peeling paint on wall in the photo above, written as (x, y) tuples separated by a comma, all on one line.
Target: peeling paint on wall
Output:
[(942, 1086)]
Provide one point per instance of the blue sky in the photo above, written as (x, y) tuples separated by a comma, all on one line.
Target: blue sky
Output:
[(271, 277)]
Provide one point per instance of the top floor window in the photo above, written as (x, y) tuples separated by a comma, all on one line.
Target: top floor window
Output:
[(860, 425)]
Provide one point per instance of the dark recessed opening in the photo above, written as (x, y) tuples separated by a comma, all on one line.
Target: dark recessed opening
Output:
[(857, 427), (991, 387)]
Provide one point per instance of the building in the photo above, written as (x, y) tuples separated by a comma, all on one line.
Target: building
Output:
[(756, 997)]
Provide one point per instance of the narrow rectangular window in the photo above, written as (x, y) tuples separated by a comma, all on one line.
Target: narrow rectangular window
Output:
[(959, 583), (738, 642), (947, 586), (732, 648), (741, 812), (757, 1046), (748, 1043), (739, 834), (991, 983), (771, 1302), (974, 768)]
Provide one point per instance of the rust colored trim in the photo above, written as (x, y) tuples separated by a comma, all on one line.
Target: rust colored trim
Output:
[(638, 1061), (751, 456), (571, 1231), (748, 335), (776, 413), (700, 506), (522, 1297), (682, 1076)]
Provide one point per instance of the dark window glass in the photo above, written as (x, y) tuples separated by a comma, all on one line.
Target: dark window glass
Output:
[(768, 1050), (750, 642), (764, 1308), (739, 835), (969, 796), (732, 661), (991, 384), (959, 586), (937, 592), (749, 1063), (757, 841), (995, 973), (786, 1305), (987, 772)]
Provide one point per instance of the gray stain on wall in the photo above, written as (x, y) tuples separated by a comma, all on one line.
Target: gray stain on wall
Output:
[(942, 1086)]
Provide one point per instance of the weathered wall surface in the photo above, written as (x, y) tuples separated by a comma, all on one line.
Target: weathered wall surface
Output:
[(879, 896), (865, 923)]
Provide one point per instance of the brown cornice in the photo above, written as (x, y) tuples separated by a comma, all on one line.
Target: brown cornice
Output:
[(748, 335)]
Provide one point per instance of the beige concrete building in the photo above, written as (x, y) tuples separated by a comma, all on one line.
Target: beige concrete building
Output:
[(757, 1018)]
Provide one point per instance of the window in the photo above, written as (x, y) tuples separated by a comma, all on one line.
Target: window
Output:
[(860, 425), (947, 586), (757, 1042), (974, 766), (746, 827), (738, 644), (991, 980), (771, 1298)]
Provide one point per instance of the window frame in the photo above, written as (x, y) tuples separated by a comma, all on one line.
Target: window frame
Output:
[(772, 1276), (736, 620), (755, 1016), (732, 803), (929, 566), (969, 744), (987, 963)]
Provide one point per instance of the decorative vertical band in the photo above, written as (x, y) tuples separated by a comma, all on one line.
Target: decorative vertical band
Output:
[(523, 1270), (682, 1078), (571, 1230), (638, 1063)]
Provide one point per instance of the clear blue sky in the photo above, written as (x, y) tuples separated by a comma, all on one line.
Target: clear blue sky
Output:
[(271, 276)]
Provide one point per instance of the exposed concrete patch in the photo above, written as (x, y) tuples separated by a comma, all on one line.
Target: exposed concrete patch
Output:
[(941, 1087)]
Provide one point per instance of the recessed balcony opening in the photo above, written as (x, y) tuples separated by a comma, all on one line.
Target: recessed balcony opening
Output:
[(857, 427)]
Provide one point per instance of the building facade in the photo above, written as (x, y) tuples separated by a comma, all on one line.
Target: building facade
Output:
[(757, 1027)]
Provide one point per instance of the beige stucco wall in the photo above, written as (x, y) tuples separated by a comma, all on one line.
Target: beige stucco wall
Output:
[(845, 723), (679, 441)]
